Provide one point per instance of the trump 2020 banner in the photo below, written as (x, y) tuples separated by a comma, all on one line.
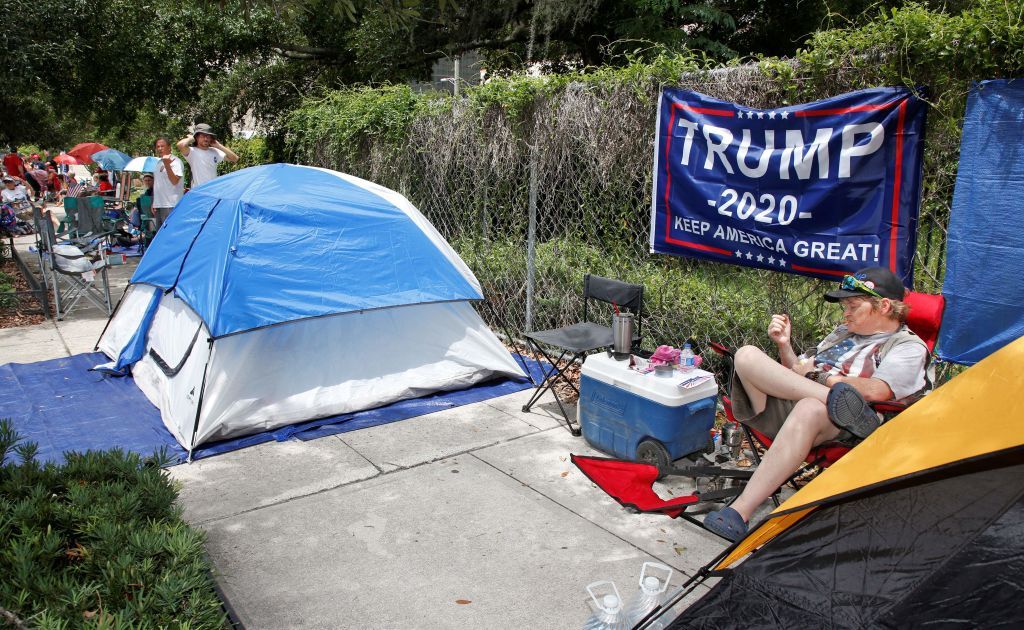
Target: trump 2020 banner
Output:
[(820, 189)]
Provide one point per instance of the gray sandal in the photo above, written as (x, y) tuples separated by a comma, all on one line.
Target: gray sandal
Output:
[(847, 409)]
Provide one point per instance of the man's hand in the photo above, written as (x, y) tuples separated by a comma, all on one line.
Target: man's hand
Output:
[(229, 155), (803, 366), (185, 144), (780, 329)]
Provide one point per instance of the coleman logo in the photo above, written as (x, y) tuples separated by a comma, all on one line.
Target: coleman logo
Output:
[(608, 404)]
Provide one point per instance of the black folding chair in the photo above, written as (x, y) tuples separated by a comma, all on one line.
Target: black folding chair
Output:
[(575, 342)]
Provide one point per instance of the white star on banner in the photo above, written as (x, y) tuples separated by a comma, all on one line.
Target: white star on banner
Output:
[(749, 255), (739, 254), (760, 115), (782, 263), (760, 258), (784, 115), (771, 260), (771, 115)]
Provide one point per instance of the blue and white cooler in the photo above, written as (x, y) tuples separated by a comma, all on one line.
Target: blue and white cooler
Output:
[(644, 417)]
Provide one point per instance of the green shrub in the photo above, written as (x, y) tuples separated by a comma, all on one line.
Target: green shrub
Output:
[(99, 541), (251, 152), (8, 299)]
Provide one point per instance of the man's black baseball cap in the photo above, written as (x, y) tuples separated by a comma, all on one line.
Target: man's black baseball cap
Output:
[(879, 279)]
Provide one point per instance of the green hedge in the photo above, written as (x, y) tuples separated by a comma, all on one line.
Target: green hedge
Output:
[(98, 541)]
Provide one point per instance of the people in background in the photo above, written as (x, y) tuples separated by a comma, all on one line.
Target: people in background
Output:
[(203, 153), (822, 395), (13, 192), (42, 180), (17, 197), (168, 182), (102, 183), (147, 182), (53, 183), (74, 187), (14, 164)]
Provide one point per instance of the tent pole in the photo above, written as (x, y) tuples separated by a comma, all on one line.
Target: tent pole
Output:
[(686, 588), (202, 392), (520, 359), (110, 319)]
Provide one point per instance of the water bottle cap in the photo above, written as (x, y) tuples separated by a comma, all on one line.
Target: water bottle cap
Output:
[(651, 583), (611, 603), (687, 345)]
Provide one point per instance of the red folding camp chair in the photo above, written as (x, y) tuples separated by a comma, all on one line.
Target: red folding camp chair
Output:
[(631, 483), (924, 319)]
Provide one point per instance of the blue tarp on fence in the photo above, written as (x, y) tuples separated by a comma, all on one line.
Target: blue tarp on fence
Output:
[(62, 406), (984, 284)]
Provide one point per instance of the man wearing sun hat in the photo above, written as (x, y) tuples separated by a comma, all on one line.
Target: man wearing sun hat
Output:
[(822, 395), (203, 153)]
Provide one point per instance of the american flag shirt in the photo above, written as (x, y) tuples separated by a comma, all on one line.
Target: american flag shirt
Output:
[(844, 354)]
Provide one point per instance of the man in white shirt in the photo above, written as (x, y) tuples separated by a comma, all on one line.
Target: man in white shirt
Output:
[(168, 182), (13, 192), (203, 153)]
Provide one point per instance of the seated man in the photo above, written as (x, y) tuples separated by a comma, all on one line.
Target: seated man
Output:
[(17, 196), (821, 396)]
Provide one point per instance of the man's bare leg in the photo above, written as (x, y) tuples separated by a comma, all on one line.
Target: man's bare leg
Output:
[(763, 376), (805, 427)]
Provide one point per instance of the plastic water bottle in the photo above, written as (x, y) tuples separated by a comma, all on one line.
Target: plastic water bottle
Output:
[(609, 614), (651, 594), (686, 359)]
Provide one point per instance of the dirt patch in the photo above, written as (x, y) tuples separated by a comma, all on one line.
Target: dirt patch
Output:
[(20, 308)]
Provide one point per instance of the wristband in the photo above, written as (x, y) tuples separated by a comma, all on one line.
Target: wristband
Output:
[(818, 376)]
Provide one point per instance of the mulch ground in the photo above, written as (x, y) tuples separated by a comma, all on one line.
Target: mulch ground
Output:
[(28, 310)]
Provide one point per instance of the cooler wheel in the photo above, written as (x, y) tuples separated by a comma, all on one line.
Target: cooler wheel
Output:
[(653, 452)]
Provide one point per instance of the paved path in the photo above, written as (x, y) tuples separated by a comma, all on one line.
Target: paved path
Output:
[(470, 517)]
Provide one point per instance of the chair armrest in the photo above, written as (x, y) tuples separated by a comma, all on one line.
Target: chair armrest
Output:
[(889, 406), (720, 349)]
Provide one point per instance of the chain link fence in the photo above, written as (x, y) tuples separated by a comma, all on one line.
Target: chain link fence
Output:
[(534, 202)]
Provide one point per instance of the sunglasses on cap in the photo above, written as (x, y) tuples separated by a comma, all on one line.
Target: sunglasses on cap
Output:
[(850, 283)]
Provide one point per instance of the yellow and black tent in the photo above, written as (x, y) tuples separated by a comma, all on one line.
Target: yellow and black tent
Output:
[(921, 525)]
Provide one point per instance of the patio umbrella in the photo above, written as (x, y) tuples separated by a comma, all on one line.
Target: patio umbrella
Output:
[(83, 152), (145, 164), (111, 159), (64, 158)]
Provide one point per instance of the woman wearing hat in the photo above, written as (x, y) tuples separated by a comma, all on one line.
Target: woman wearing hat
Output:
[(203, 153)]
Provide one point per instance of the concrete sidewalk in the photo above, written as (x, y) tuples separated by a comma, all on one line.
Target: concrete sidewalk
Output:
[(466, 518)]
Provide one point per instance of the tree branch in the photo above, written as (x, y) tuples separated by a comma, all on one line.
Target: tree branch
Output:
[(518, 37), (333, 56), (296, 51)]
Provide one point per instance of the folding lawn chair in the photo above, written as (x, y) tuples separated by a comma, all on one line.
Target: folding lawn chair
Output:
[(924, 320), (69, 224), (93, 226), (68, 271), (631, 484), (578, 340), (146, 221)]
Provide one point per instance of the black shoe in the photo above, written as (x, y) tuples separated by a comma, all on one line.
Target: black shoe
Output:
[(847, 409)]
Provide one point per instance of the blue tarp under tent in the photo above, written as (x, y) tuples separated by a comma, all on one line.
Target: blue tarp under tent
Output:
[(279, 294)]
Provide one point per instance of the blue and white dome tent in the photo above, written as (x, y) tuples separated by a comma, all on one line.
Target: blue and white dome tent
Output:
[(283, 293)]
